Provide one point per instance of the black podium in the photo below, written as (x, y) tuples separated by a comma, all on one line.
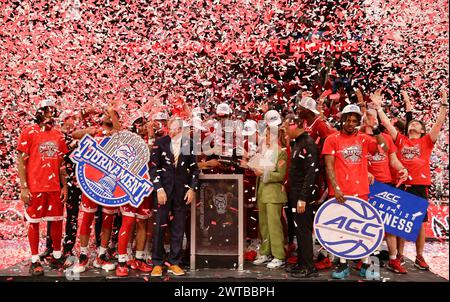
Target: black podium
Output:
[(217, 223)]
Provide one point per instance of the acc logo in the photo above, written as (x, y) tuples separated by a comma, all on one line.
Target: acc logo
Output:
[(114, 171), (352, 230)]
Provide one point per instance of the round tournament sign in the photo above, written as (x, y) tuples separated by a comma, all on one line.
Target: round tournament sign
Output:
[(350, 230), (113, 171)]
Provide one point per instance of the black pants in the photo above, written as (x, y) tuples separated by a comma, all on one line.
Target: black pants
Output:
[(290, 224), (304, 231), (72, 209), (177, 207), (98, 225)]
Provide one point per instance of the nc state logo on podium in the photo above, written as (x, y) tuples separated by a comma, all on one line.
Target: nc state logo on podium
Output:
[(113, 171)]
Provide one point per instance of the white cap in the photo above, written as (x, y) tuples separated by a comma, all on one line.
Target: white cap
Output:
[(160, 116), (309, 103), (223, 109), (197, 123), (197, 111), (250, 127), (47, 103), (352, 109), (272, 118)]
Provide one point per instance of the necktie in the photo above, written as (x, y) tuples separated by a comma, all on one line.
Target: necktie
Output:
[(176, 152)]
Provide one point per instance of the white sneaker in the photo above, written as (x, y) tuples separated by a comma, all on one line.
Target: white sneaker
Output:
[(275, 263), (104, 264), (262, 259)]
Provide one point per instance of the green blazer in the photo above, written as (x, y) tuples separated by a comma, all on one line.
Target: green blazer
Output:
[(272, 191)]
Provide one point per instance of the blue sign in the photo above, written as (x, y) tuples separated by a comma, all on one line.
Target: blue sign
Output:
[(349, 230), (402, 212), (113, 171)]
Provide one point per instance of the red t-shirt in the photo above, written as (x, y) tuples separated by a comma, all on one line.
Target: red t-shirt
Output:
[(379, 162), (415, 156), (45, 150), (319, 130), (350, 165)]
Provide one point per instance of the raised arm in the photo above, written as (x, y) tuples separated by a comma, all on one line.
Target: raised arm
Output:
[(408, 109), (434, 133), (377, 100)]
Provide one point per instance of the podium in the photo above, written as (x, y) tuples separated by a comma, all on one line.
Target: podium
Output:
[(217, 223)]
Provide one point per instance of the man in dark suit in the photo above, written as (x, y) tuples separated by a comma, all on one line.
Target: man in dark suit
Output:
[(303, 171), (174, 173)]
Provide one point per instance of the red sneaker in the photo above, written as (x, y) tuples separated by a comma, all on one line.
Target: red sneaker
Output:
[(401, 259), (141, 265), (421, 264), (122, 270), (250, 255), (104, 263), (292, 260), (325, 263), (358, 265), (396, 266)]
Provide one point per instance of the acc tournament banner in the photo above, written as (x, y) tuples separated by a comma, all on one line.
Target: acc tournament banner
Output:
[(349, 230), (113, 171), (402, 212)]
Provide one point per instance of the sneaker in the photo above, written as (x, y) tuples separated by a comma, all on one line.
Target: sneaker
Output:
[(112, 253), (262, 259), (57, 263), (292, 260), (250, 255), (141, 265), (358, 265), (402, 259), (176, 270), (319, 258), (275, 263), (325, 263), (306, 273), (370, 274), (103, 263), (36, 269), (81, 265), (157, 271), (46, 255), (122, 270), (396, 266), (341, 272), (421, 264), (293, 268)]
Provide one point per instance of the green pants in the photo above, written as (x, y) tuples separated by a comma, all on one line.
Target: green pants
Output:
[(271, 230)]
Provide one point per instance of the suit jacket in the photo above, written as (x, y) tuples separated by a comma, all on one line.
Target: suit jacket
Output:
[(303, 170), (271, 191), (175, 180)]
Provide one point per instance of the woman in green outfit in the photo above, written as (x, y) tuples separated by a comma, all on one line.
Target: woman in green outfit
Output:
[(271, 198)]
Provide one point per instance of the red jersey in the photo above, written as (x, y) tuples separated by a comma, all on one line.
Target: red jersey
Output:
[(415, 156), (379, 162), (45, 150), (350, 166), (319, 130)]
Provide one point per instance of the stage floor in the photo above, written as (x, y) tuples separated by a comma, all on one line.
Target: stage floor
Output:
[(251, 273)]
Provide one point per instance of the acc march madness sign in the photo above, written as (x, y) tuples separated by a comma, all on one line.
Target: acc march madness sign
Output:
[(402, 212), (114, 170), (350, 230)]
